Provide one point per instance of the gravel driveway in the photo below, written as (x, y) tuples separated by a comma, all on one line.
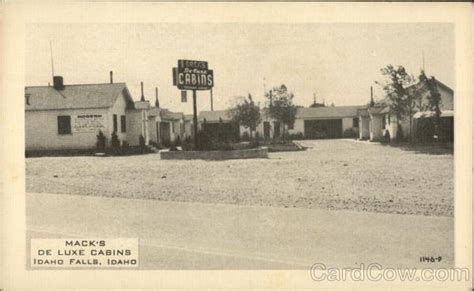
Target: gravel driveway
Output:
[(331, 174)]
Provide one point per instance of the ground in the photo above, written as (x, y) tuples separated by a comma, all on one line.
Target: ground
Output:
[(330, 175)]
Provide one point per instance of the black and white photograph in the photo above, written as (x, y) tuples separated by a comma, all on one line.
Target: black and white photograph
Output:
[(329, 148), (233, 156)]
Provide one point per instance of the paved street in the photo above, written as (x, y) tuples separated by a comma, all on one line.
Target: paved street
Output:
[(179, 235)]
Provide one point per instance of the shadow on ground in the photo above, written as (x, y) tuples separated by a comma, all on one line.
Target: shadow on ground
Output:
[(425, 148)]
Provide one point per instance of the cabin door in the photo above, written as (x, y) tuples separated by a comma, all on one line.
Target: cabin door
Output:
[(165, 133)]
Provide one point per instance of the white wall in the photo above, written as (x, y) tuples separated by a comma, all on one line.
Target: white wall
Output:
[(298, 127), (364, 132), (347, 123), (152, 132), (41, 130), (447, 99), (119, 109), (447, 102), (134, 126), (375, 127)]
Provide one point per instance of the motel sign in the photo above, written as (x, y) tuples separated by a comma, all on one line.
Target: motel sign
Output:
[(193, 75)]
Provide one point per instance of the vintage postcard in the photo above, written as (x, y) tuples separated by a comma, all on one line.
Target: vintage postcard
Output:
[(236, 145)]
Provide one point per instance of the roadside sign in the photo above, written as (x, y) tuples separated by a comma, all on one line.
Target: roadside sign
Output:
[(193, 75), (184, 96)]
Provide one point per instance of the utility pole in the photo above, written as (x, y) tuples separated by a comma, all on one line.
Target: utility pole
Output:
[(423, 59), (264, 90)]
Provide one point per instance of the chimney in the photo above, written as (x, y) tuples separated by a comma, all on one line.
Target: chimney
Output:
[(157, 102), (111, 77), (58, 83), (271, 99), (143, 96)]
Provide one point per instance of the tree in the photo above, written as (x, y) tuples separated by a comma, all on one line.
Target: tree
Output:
[(101, 140), (434, 99), (247, 114), (401, 101), (281, 105)]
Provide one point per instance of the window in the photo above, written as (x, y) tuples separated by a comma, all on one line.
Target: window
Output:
[(291, 126), (388, 119), (384, 122), (64, 124), (115, 122), (355, 122), (123, 123)]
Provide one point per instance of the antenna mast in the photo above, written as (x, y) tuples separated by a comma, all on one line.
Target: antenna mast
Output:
[(52, 63), (423, 59)]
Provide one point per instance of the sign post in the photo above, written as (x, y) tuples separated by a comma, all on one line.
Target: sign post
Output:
[(193, 75), (195, 119)]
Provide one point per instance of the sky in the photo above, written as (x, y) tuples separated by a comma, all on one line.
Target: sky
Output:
[(337, 62)]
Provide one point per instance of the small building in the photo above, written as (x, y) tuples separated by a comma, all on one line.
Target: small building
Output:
[(269, 128), (70, 116), (327, 122), (378, 122), (318, 122), (171, 127), (219, 124)]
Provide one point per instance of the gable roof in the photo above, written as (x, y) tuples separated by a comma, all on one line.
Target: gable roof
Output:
[(423, 86), (214, 116), (166, 114), (383, 106), (328, 112), (76, 96)]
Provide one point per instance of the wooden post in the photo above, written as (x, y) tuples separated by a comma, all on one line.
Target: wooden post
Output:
[(195, 120)]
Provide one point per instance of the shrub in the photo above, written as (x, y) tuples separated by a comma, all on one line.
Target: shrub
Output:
[(296, 136), (125, 148), (141, 141), (386, 137), (187, 144), (100, 144), (115, 144), (204, 141), (349, 133), (400, 135), (115, 141), (177, 141), (245, 136)]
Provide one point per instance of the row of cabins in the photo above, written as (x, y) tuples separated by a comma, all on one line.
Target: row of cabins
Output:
[(70, 117), (374, 121)]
